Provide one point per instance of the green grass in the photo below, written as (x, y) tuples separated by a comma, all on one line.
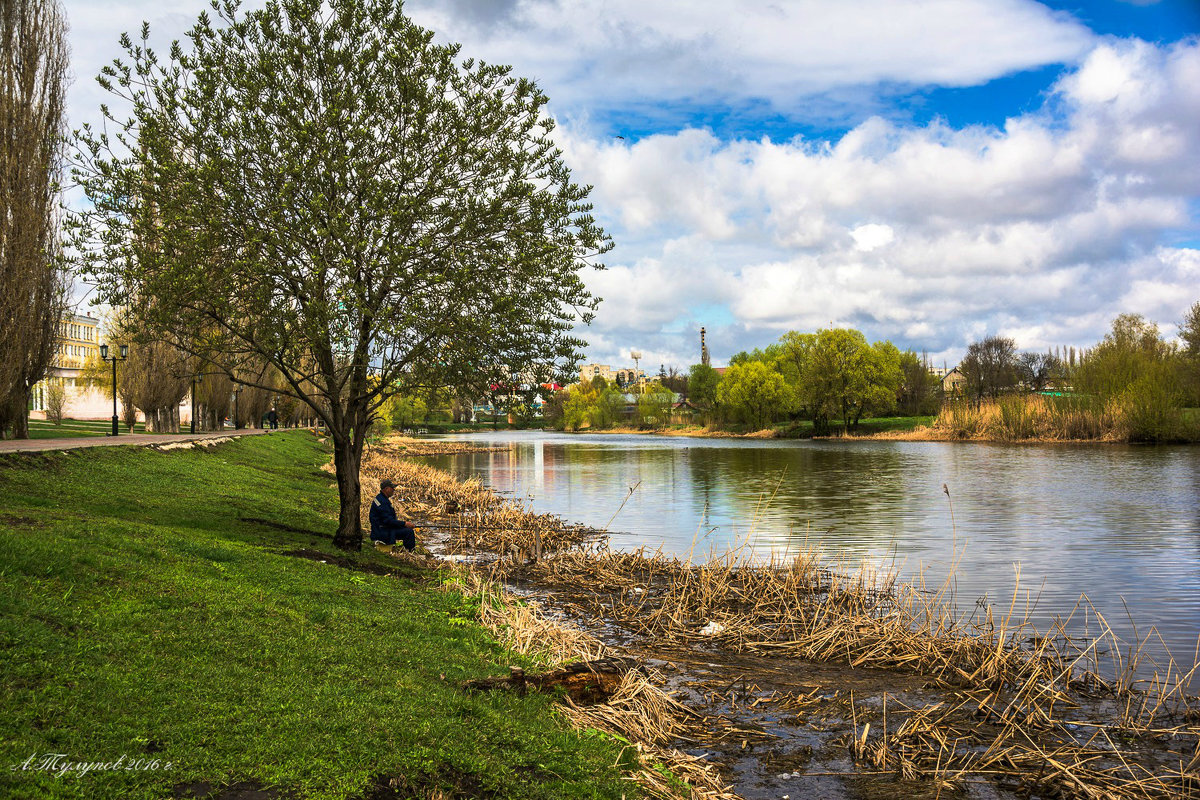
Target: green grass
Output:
[(142, 615), (886, 424), (44, 429), (803, 429)]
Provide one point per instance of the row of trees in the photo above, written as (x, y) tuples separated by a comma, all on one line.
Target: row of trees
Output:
[(835, 376), (827, 376), (158, 376), (831, 376), (598, 405), (33, 284), (1133, 356)]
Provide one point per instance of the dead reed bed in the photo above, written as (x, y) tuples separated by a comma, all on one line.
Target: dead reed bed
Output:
[(1013, 695), (639, 713), (412, 447), (1037, 709), (1035, 417)]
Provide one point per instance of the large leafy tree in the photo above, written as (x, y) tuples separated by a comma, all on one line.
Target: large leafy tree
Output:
[(845, 376), (321, 186), (1189, 331), (753, 393), (702, 385), (1132, 351)]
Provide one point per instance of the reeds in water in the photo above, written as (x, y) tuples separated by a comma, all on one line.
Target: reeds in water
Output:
[(1013, 418), (1012, 695), (639, 712)]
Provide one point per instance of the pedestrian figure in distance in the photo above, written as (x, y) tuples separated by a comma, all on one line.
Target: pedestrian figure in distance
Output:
[(385, 525), (273, 419)]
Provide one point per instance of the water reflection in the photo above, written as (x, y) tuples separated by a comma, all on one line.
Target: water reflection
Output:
[(1118, 524)]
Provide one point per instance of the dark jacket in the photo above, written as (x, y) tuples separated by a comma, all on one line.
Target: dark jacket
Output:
[(383, 516)]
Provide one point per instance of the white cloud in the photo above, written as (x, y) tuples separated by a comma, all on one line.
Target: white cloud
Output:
[(872, 237), (600, 53), (1044, 229)]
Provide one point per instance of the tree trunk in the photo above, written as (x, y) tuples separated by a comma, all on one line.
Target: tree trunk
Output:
[(20, 422), (346, 462)]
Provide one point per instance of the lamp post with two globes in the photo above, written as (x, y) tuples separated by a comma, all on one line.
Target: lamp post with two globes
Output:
[(115, 358), (197, 378)]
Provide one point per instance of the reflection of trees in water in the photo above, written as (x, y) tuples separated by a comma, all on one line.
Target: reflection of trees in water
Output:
[(800, 489)]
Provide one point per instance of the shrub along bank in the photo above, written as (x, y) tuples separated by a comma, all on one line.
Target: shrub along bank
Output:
[(187, 608)]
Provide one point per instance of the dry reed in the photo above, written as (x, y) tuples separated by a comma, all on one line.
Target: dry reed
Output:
[(639, 712), (469, 516), (1039, 418)]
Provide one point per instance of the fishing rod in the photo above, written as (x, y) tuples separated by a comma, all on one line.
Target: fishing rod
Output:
[(460, 527)]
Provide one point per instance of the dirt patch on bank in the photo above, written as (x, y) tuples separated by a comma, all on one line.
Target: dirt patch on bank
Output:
[(243, 790)]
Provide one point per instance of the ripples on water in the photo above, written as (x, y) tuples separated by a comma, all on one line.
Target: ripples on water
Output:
[(1119, 524)]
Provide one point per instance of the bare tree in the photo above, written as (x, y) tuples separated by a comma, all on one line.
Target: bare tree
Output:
[(33, 285), (990, 366), (56, 400)]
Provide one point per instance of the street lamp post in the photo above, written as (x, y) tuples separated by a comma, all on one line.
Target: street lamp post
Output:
[(115, 358), (237, 425), (197, 378)]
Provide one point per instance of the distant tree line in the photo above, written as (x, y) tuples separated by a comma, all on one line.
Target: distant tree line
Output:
[(835, 378)]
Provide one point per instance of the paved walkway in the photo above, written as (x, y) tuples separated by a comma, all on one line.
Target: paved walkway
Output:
[(31, 445)]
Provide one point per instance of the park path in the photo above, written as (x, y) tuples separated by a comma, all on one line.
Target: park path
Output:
[(72, 443)]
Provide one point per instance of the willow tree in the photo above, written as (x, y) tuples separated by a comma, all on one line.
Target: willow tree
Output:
[(33, 287), (328, 190)]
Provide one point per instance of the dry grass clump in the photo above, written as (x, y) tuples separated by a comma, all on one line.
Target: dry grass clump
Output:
[(970, 734), (1041, 418), (411, 447), (639, 712)]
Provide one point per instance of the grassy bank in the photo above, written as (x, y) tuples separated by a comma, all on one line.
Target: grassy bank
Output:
[(185, 608)]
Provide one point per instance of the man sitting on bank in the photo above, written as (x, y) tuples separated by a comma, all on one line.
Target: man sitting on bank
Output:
[(385, 525)]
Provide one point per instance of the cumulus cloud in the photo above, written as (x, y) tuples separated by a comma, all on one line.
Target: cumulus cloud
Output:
[(611, 53), (1043, 229)]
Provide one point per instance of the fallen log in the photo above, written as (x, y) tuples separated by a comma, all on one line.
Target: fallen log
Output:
[(586, 682)]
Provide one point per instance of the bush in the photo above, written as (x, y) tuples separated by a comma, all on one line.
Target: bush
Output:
[(56, 400), (1151, 409)]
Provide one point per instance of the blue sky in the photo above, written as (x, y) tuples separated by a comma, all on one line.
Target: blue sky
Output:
[(928, 172)]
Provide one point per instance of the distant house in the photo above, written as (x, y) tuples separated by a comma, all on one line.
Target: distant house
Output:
[(684, 410), (79, 343), (954, 382)]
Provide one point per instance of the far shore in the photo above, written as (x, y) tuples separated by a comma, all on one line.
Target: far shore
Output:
[(919, 434)]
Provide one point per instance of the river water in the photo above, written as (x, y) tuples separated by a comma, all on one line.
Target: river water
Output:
[(1044, 523)]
